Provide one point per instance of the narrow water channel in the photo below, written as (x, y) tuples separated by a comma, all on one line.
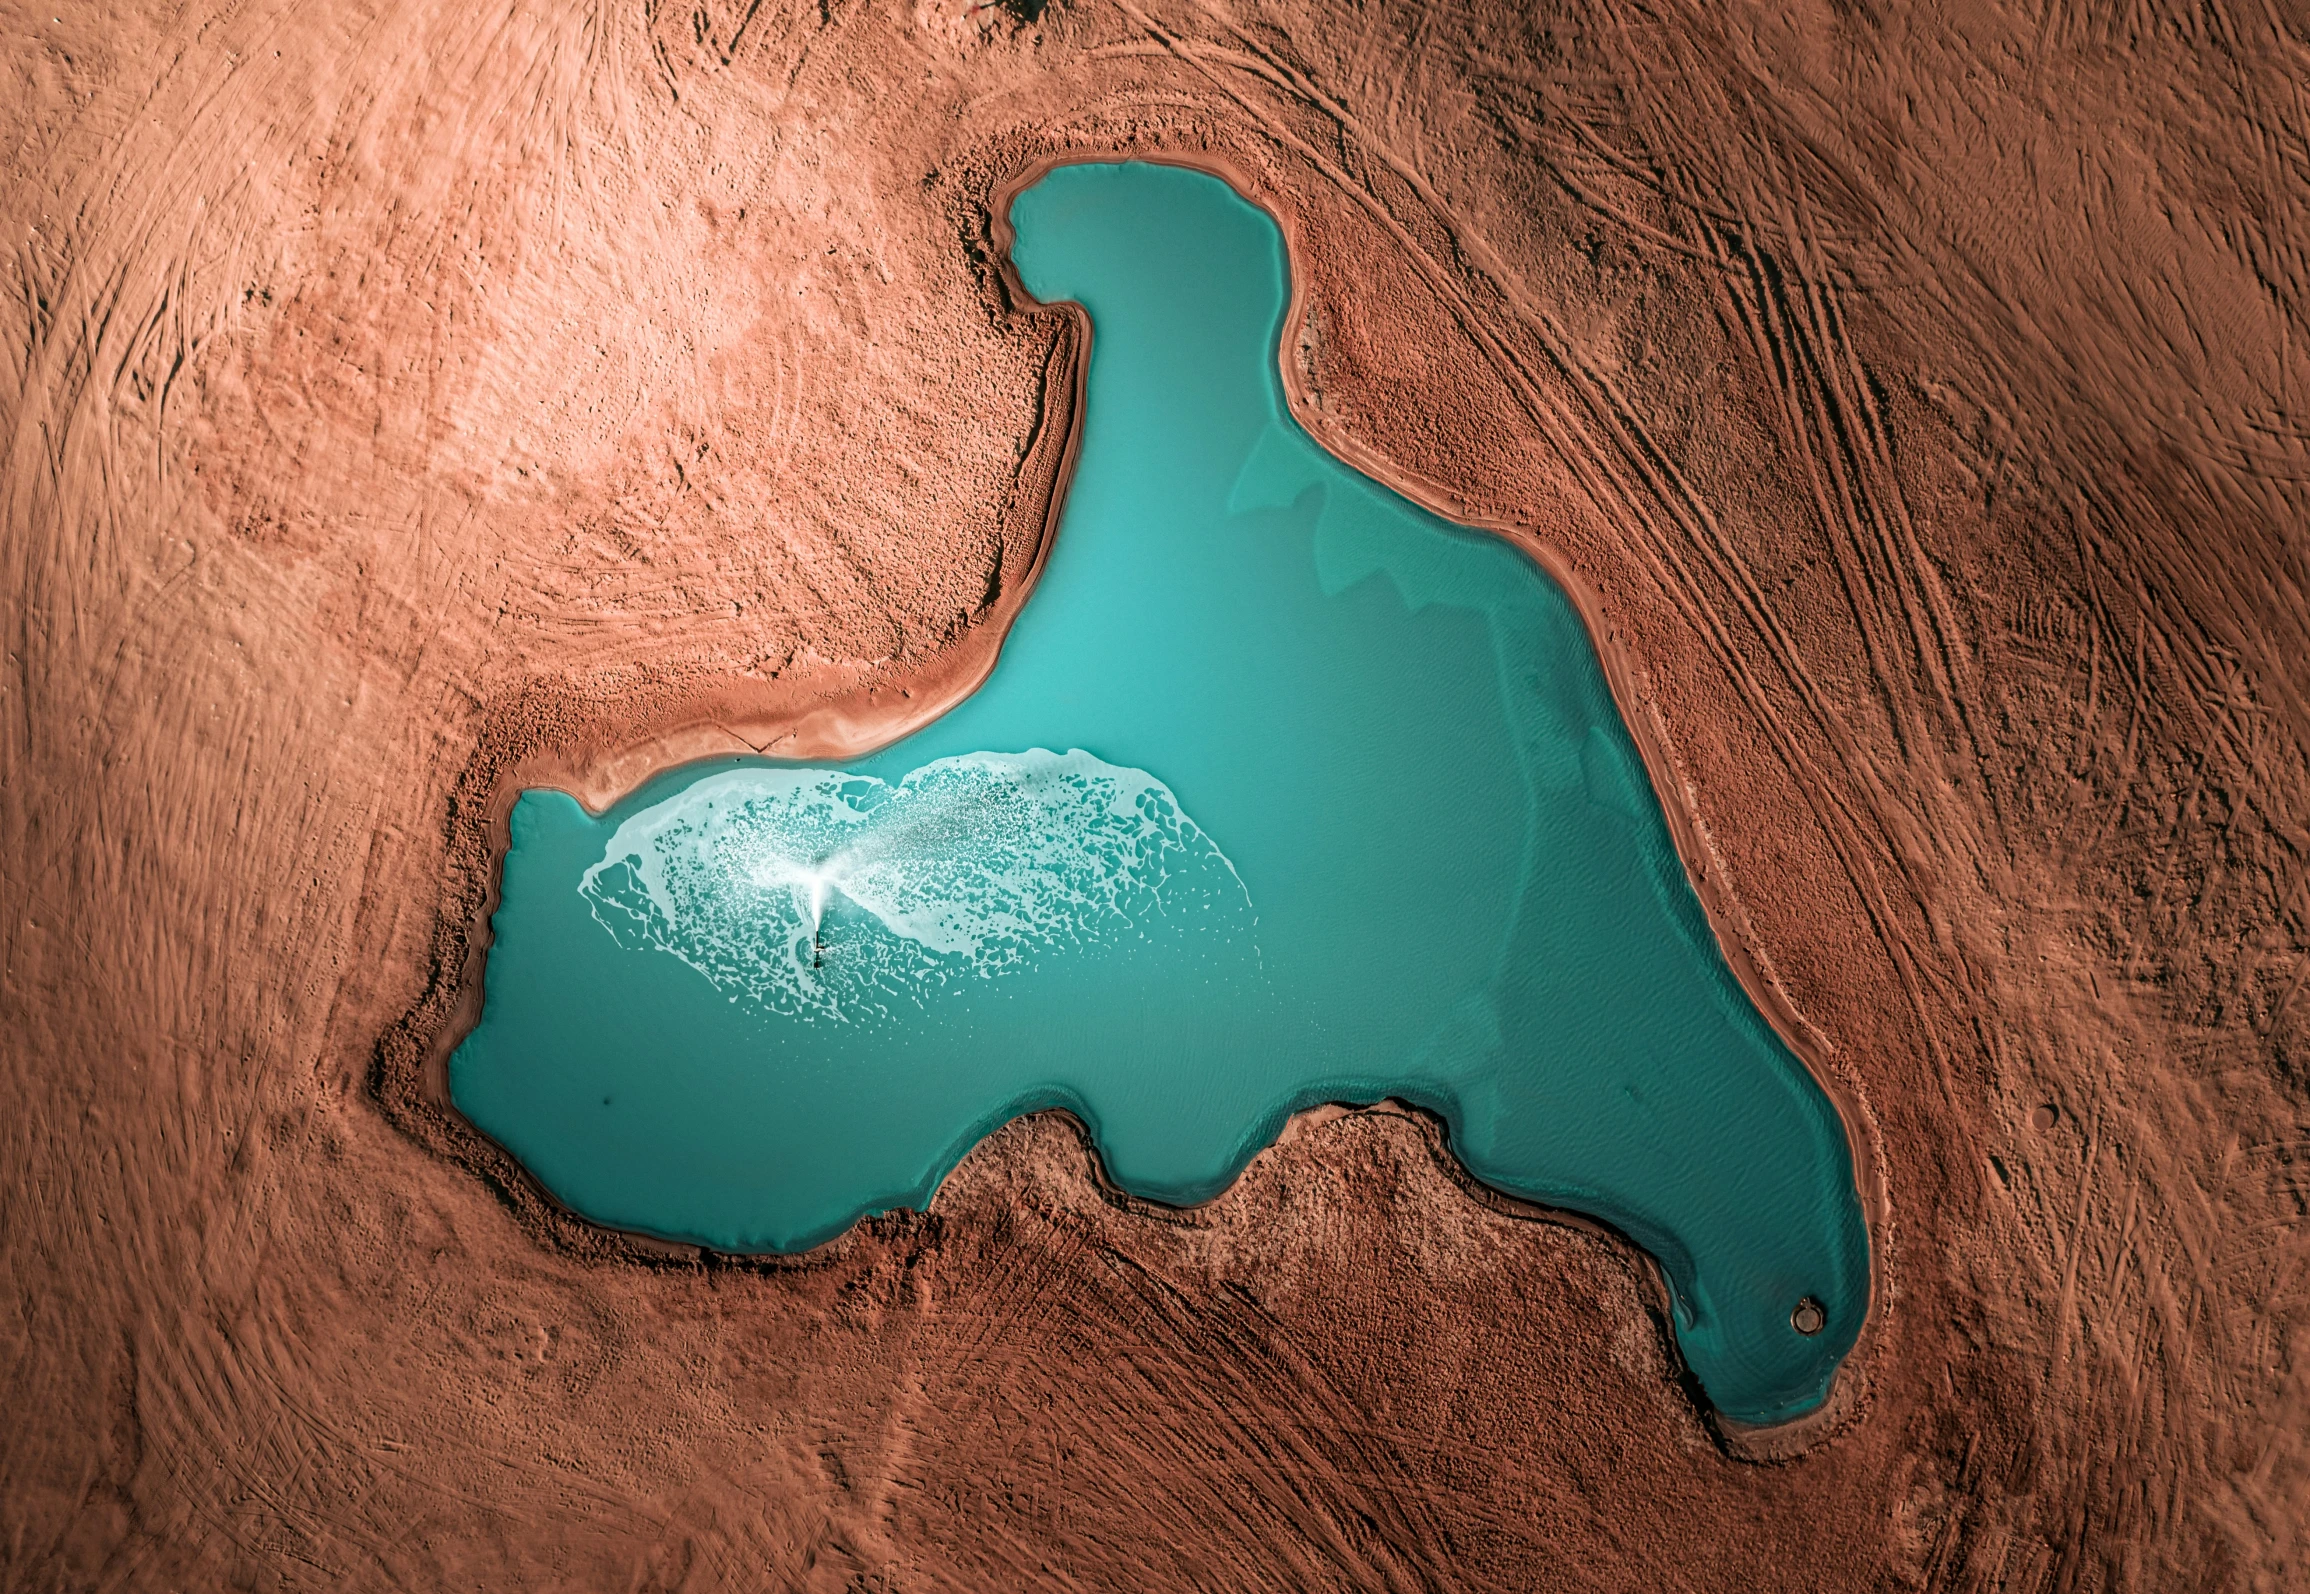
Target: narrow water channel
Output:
[(1284, 791)]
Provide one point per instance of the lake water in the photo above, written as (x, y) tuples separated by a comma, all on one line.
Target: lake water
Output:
[(1283, 792)]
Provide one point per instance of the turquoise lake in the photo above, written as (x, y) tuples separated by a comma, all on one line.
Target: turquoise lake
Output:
[(1284, 791)]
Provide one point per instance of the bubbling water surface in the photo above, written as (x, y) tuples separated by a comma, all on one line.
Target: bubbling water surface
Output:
[(967, 868)]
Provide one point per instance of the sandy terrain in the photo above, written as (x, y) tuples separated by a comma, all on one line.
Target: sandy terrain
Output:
[(401, 403)]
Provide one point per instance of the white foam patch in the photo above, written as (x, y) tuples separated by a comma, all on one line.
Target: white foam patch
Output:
[(813, 893)]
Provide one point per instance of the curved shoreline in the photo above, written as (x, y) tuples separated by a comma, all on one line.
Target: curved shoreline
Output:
[(842, 712)]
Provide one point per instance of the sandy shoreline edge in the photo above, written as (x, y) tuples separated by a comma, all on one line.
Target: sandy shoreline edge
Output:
[(591, 751)]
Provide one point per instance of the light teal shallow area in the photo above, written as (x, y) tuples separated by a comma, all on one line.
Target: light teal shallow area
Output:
[(1284, 792)]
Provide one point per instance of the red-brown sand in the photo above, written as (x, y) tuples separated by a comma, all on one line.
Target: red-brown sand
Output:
[(402, 406)]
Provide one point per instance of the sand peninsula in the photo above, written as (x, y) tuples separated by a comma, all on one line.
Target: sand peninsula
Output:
[(403, 410)]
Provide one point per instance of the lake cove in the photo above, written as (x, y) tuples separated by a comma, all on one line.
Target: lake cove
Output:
[(1284, 791)]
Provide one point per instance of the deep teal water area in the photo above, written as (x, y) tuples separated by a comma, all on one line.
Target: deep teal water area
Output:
[(1283, 792)]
